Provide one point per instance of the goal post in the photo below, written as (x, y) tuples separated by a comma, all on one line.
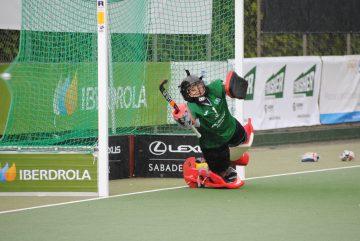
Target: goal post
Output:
[(103, 99), (238, 65)]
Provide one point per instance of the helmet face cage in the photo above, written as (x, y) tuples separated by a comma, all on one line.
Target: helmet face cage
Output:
[(196, 89), (189, 82), (185, 89)]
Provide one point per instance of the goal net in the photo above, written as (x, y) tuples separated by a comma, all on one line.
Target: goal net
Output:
[(53, 80)]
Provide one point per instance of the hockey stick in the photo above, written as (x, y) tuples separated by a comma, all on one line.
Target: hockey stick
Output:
[(173, 104)]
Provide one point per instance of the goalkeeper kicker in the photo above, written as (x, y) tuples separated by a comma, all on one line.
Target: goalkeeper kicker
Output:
[(224, 141)]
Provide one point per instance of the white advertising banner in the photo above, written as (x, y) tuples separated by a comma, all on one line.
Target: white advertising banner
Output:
[(283, 91), (340, 89)]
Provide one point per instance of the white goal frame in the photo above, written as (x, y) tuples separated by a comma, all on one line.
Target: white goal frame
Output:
[(103, 84)]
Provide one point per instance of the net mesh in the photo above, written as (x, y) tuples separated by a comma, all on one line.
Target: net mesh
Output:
[(57, 57), (53, 80)]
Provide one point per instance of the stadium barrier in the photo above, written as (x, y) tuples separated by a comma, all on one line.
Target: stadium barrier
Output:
[(119, 157), (283, 91), (340, 89), (163, 155), (48, 174)]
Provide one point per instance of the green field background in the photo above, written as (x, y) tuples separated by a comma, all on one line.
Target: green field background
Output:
[(282, 199), (312, 207)]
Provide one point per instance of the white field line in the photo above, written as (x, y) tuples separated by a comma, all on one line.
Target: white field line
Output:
[(302, 172), (170, 188), (91, 199)]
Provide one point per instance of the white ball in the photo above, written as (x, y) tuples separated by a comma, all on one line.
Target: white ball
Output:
[(347, 155), (6, 76)]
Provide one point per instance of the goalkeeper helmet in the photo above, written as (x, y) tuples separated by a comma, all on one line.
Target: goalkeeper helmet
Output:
[(193, 88)]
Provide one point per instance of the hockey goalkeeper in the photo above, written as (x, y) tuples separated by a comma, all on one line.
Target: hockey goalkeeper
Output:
[(224, 141)]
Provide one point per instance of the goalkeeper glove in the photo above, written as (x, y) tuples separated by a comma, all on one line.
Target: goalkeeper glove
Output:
[(184, 118)]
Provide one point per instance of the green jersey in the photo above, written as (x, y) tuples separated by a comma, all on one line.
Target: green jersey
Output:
[(217, 125)]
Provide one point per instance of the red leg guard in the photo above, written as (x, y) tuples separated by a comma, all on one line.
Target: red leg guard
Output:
[(195, 178), (243, 160)]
